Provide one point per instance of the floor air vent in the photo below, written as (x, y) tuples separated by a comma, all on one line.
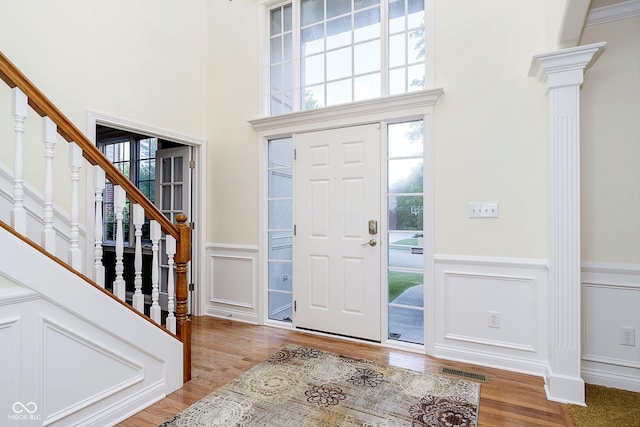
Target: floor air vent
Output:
[(464, 374)]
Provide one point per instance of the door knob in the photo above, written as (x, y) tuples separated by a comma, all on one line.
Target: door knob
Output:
[(371, 242)]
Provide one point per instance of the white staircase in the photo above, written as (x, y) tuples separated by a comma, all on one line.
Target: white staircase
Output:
[(73, 353)]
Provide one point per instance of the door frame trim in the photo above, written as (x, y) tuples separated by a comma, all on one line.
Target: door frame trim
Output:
[(197, 191), (413, 105)]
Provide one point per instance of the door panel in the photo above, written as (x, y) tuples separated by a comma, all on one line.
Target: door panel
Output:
[(173, 190), (337, 193)]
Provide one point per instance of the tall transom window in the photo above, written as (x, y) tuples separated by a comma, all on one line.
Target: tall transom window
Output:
[(329, 52)]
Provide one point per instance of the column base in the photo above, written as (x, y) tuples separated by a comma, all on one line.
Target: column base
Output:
[(564, 389)]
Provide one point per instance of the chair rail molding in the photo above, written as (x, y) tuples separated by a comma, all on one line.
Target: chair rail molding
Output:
[(562, 73)]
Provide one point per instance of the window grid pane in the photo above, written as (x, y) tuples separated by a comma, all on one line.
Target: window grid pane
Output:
[(280, 60), (331, 73), (327, 26)]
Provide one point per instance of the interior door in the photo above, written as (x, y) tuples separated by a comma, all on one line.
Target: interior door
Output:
[(173, 196), (337, 244)]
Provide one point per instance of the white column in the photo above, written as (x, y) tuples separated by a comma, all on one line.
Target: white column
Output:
[(98, 226), (562, 73), (75, 163), (49, 135), (119, 201), (138, 222), (156, 234), (19, 112), (171, 287)]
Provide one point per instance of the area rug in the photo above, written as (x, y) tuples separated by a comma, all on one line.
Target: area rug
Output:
[(301, 386)]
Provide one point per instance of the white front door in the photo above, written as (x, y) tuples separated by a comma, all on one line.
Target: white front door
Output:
[(173, 196), (337, 198)]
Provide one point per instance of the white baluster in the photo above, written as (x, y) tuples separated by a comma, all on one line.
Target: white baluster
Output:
[(156, 234), (75, 163), (98, 267), (119, 200), (138, 222), (19, 110), (171, 251), (49, 134)]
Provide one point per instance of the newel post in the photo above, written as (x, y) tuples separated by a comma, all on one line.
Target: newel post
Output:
[(182, 257)]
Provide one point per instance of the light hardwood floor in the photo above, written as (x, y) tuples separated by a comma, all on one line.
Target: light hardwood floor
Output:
[(223, 349)]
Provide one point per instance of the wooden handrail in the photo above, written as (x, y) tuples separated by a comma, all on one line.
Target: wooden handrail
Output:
[(44, 107), (13, 77)]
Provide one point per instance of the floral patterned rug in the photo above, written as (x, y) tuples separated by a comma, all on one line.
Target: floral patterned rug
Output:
[(301, 386)]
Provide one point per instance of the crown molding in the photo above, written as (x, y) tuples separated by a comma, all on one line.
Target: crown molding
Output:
[(615, 12)]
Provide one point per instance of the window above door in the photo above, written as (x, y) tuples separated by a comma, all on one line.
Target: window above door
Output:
[(330, 52)]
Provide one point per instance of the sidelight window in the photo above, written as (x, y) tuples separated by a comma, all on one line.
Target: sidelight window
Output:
[(280, 229), (405, 232)]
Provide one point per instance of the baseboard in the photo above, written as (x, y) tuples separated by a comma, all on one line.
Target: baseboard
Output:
[(124, 409), (230, 314), (491, 360), (564, 389), (607, 378)]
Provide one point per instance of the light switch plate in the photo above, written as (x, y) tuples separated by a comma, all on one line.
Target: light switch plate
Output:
[(483, 210)]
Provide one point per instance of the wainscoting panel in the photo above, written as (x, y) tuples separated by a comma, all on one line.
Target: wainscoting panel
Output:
[(611, 301), (232, 283), (65, 355), (82, 358), (492, 311), (488, 301), (11, 355)]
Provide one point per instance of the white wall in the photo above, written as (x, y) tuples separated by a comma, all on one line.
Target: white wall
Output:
[(232, 99), (490, 128), (610, 157), (610, 167), (143, 61)]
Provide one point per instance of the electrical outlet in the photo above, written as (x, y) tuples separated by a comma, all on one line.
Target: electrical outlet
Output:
[(627, 336), (494, 319)]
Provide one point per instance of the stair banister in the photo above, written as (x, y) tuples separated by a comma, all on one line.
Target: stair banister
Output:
[(14, 78)]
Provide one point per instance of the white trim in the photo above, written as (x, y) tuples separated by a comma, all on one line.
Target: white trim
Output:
[(622, 381), (614, 12), (539, 264), (351, 114), (610, 361), (231, 314), (562, 73), (122, 410), (231, 246), (565, 68), (611, 274), (145, 129), (491, 360), (17, 294)]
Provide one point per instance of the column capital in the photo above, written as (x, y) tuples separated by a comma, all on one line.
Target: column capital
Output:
[(565, 67)]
